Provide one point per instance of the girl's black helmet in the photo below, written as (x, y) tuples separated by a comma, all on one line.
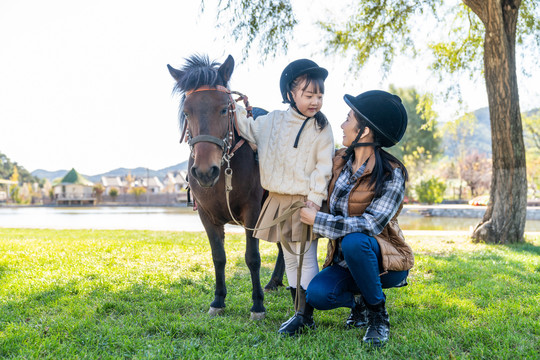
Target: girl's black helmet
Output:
[(383, 112), (294, 70)]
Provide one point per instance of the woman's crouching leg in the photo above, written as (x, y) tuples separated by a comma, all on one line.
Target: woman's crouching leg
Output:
[(330, 289), (363, 257)]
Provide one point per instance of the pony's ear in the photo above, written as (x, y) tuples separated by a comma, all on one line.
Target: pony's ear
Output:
[(176, 74), (227, 68)]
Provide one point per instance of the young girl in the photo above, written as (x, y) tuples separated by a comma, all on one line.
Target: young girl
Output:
[(295, 149)]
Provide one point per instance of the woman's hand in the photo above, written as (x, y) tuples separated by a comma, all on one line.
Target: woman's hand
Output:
[(307, 215)]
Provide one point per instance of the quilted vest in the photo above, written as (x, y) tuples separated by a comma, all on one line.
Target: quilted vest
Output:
[(397, 255)]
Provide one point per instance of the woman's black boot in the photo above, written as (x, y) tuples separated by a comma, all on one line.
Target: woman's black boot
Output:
[(359, 314), (302, 319), (378, 325)]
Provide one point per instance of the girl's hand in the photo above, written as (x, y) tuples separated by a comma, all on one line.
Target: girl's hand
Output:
[(307, 215), (310, 204)]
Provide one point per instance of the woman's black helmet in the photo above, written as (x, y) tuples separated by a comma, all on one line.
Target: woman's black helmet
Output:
[(294, 70), (383, 112)]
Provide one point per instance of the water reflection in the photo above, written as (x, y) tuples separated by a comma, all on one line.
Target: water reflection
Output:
[(175, 219)]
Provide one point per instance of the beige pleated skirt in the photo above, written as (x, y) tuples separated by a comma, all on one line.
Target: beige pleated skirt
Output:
[(274, 206)]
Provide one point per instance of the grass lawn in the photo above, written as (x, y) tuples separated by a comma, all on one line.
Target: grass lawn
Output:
[(142, 294)]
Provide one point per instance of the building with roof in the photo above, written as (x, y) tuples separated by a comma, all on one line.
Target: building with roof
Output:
[(114, 182), (152, 184), (74, 189), (175, 182)]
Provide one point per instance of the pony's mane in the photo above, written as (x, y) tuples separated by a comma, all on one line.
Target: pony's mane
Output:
[(198, 71)]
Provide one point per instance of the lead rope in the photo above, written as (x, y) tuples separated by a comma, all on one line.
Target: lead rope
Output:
[(307, 230), (280, 220)]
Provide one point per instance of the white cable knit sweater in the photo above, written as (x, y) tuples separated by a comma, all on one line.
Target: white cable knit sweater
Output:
[(305, 170)]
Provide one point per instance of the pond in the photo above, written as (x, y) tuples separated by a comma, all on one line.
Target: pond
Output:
[(175, 219)]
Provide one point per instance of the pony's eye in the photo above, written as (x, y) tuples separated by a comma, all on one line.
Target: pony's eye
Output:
[(186, 115), (224, 111)]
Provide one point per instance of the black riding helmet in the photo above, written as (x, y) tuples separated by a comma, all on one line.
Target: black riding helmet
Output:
[(292, 71), (383, 112)]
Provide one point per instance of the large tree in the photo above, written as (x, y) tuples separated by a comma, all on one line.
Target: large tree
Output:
[(479, 32)]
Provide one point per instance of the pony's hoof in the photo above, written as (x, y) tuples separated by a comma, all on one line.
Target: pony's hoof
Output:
[(215, 311), (257, 315), (273, 285)]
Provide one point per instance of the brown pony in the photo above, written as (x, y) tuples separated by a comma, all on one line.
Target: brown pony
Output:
[(207, 120)]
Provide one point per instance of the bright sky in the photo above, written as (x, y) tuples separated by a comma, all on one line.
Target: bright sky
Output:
[(84, 84)]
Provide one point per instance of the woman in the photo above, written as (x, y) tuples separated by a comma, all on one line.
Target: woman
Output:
[(366, 251)]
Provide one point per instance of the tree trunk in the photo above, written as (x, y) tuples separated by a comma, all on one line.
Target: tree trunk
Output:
[(504, 220)]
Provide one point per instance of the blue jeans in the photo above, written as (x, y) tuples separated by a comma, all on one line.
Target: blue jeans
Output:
[(335, 286)]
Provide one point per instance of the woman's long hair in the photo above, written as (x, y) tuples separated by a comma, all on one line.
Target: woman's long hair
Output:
[(383, 170)]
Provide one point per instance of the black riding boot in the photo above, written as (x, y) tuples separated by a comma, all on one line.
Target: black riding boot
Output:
[(303, 317), (378, 325), (359, 314)]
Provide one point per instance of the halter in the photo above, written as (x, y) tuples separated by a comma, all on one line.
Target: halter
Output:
[(226, 142)]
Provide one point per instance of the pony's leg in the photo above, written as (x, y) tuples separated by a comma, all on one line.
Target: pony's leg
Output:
[(253, 262), (216, 236), (277, 275)]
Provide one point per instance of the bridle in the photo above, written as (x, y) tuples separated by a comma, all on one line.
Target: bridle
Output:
[(226, 142)]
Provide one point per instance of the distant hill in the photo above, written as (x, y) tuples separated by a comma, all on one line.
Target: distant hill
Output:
[(51, 175), (482, 134), (479, 140), (136, 172)]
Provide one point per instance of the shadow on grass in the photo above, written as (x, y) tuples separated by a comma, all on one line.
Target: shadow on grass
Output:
[(480, 278), (524, 248)]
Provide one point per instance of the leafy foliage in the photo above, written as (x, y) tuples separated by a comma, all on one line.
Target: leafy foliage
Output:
[(459, 135), (138, 191), (383, 27), (430, 191), (98, 190), (113, 193), (532, 129), (464, 50), (421, 135), (8, 168), (266, 23)]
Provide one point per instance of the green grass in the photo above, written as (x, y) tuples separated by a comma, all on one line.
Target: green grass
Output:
[(141, 294)]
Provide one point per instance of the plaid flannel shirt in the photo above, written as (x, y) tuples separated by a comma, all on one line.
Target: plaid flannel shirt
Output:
[(381, 210)]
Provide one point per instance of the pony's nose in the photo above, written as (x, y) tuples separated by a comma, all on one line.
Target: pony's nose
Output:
[(205, 178)]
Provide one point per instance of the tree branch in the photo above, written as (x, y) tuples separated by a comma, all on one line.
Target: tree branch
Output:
[(478, 7)]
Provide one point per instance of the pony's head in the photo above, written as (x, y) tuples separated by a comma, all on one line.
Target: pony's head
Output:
[(205, 113)]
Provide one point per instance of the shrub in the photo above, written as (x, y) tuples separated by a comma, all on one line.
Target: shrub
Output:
[(113, 193), (430, 191)]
